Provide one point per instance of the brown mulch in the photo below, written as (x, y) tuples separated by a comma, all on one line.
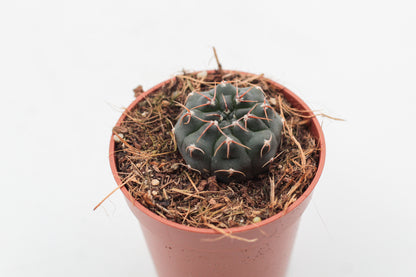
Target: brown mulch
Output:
[(155, 174)]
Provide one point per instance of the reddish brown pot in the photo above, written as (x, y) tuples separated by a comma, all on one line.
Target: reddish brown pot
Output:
[(182, 251)]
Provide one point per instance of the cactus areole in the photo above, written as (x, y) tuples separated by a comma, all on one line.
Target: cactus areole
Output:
[(230, 132)]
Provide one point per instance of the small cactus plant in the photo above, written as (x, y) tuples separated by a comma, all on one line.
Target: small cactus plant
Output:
[(230, 132)]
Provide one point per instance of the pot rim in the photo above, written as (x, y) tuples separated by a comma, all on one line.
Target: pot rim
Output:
[(286, 91)]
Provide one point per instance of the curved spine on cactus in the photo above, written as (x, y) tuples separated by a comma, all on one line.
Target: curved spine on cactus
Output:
[(229, 132)]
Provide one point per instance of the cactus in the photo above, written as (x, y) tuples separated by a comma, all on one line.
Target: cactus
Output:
[(229, 132)]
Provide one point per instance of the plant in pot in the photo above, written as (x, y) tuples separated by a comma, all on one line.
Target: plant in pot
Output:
[(218, 167)]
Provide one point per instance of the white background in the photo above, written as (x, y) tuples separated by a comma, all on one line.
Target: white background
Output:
[(68, 67)]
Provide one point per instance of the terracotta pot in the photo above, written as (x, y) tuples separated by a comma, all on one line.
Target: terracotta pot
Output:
[(182, 251)]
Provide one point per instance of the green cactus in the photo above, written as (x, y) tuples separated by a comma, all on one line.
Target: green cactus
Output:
[(229, 132)]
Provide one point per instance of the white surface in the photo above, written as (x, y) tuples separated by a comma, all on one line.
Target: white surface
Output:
[(66, 69)]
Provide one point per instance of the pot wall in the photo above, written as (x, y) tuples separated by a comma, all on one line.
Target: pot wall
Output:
[(178, 253)]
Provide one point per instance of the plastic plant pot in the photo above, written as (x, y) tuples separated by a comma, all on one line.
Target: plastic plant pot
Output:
[(182, 251)]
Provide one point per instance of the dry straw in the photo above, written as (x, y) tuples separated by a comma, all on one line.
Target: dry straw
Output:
[(153, 171)]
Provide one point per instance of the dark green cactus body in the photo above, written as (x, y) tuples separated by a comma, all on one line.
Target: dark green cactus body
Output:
[(230, 132)]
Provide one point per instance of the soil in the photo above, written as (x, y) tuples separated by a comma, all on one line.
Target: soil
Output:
[(156, 175)]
